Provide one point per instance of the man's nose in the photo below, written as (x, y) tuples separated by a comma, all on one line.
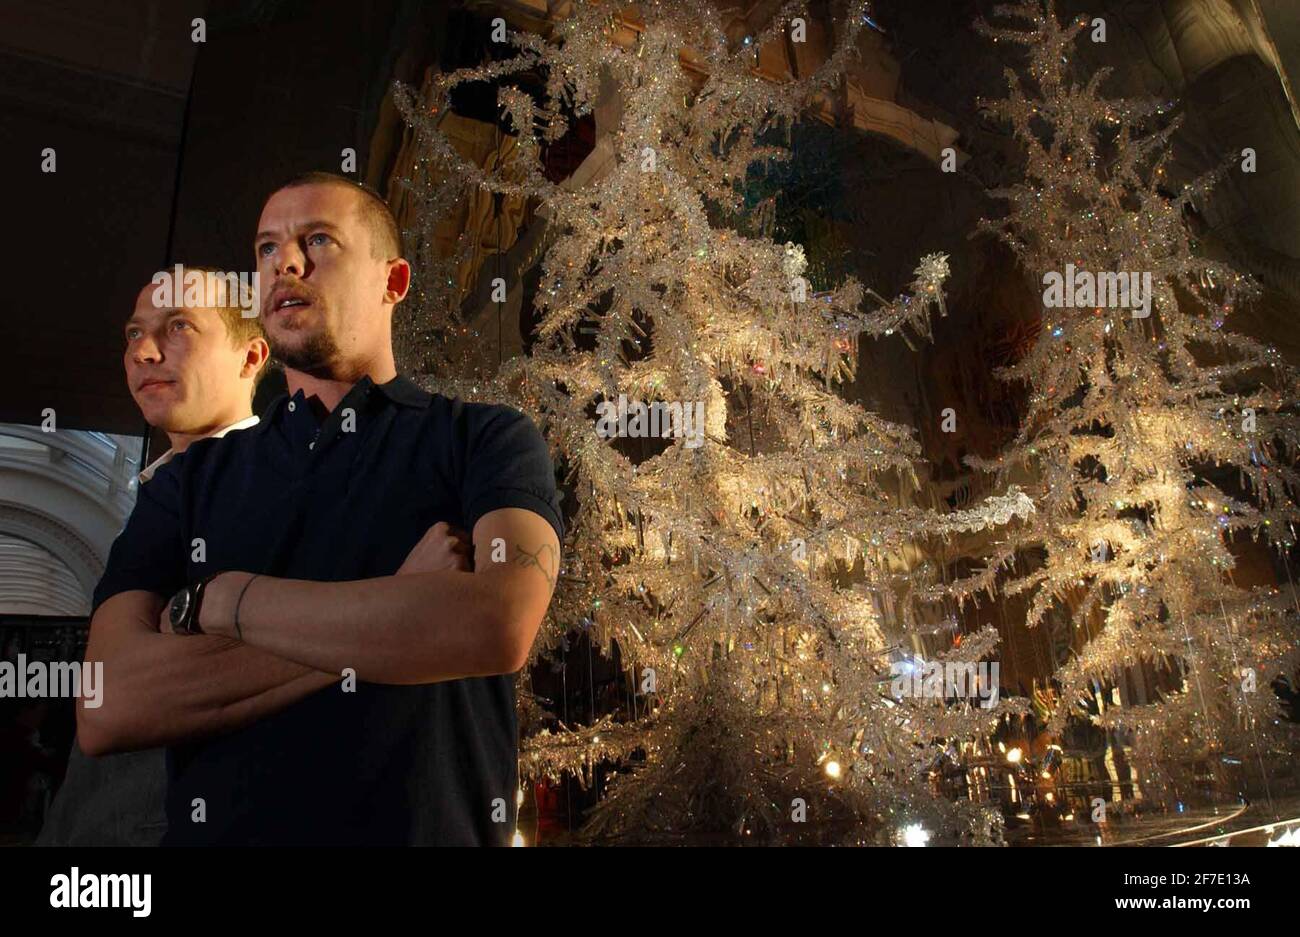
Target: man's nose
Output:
[(289, 259), (147, 351)]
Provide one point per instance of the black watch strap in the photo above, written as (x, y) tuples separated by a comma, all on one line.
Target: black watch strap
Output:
[(185, 606)]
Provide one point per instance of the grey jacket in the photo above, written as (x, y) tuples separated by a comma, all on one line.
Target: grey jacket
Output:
[(113, 800)]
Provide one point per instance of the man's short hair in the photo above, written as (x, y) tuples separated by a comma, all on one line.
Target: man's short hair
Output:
[(239, 328), (385, 235)]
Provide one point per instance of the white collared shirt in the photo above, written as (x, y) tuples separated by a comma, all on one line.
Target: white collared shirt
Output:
[(167, 456)]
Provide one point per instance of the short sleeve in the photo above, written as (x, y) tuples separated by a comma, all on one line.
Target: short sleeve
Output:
[(149, 553), (507, 465)]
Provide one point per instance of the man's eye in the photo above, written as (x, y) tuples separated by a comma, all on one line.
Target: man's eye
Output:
[(315, 239), (264, 250), (178, 324), (132, 334)]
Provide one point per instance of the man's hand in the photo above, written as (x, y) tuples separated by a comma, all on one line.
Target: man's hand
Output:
[(442, 547), (163, 623), (429, 625), (162, 692), (165, 620)]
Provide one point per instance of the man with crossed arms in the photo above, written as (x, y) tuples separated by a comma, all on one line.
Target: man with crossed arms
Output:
[(192, 371), (316, 678)]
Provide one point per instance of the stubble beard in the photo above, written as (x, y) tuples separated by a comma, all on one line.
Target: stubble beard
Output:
[(314, 354)]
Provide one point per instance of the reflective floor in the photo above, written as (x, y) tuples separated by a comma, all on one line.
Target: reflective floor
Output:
[(1253, 823)]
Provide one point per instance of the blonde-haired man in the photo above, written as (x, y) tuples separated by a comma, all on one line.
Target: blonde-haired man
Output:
[(192, 371)]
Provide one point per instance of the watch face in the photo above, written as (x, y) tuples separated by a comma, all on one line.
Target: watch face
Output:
[(180, 606)]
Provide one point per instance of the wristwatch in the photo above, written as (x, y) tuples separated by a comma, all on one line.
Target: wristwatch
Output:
[(183, 609)]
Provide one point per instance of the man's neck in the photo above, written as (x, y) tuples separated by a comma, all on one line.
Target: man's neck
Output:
[(181, 441), (330, 390)]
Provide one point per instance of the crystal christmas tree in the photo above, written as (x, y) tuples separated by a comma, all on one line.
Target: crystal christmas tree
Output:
[(1155, 439), (734, 512)]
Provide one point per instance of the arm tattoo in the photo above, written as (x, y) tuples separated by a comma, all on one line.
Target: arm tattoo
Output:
[(545, 559)]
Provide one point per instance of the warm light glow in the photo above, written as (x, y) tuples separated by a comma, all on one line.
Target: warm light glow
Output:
[(833, 769), (1013, 756), (915, 835)]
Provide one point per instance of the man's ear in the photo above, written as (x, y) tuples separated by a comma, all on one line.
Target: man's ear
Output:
[(399, 281), (255, 356)]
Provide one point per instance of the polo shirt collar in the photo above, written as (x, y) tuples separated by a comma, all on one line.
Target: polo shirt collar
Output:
[(167, 456), (400, 390), (405, 392)]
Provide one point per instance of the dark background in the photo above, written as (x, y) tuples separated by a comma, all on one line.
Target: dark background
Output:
[(165, 149)]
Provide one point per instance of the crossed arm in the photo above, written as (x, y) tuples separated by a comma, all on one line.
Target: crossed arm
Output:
[(423, 625)]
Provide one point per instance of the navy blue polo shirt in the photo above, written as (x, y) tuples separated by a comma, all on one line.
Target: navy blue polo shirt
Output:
[(342, 499)]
